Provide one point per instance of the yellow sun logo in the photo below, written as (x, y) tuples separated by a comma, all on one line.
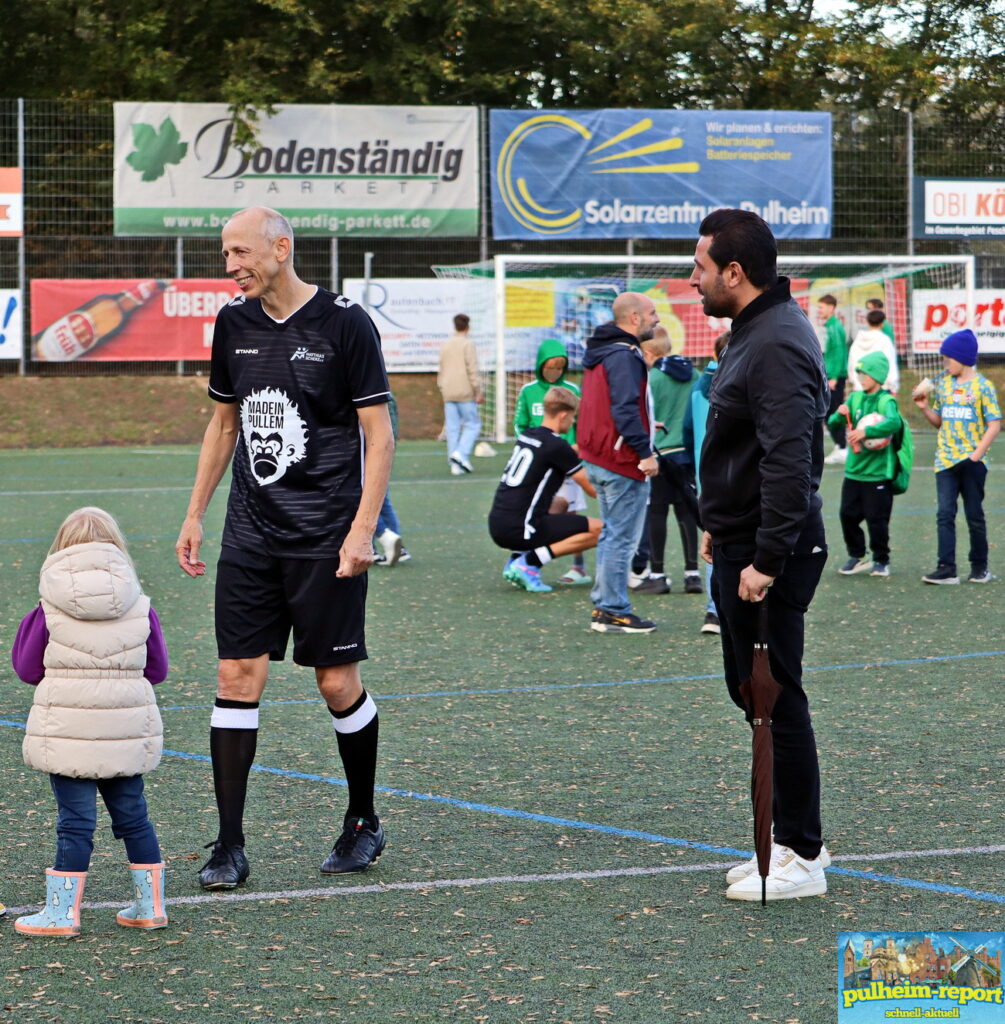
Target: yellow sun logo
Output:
[(551, 221)]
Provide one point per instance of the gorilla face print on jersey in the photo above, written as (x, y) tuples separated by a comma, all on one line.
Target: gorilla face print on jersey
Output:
[(274, 433)]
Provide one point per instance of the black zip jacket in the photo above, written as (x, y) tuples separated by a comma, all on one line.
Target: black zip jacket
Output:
[(762, 457)]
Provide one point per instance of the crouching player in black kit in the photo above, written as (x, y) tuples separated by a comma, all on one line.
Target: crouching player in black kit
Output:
[(525, 516)]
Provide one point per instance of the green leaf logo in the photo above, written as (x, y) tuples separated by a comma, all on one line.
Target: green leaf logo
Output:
[(154, 150)]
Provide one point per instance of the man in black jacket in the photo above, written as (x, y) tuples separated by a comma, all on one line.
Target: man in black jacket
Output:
[(761, 463)]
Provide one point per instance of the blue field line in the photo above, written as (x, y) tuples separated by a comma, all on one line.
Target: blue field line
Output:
[(573, 823), (611, 830), (546, 687)]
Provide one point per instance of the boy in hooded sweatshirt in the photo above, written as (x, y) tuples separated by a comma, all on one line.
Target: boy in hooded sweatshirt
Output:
[(867, 490), (671, 379), (92, 649), (873, 339), (552, 364)]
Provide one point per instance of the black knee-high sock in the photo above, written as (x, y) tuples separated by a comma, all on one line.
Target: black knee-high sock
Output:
[(357, 729), (233, 739)]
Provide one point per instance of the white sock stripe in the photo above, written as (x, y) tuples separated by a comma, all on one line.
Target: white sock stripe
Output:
[(544, 555), (359, 719), (234, 718)]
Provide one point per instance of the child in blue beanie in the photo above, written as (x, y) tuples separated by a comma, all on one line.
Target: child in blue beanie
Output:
[(963, 404)]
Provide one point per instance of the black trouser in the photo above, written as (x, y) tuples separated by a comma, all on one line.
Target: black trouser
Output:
[(797, 772), (871, 501), (673, 486), (836, 398)]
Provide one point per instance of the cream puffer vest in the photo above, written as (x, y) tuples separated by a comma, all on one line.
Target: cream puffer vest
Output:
[(94, 715)]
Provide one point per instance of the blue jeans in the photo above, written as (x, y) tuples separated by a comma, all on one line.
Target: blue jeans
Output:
[(76, 801), (623, 509), (387, 518), (464, 424), (965, 479)]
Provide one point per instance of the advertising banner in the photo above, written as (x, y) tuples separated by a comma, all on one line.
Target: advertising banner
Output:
[(11, 203), (926, 976), (966, 208), (127, 319), (11, 337), (415, 316), (657, 173), (937, 312), (400, 172)]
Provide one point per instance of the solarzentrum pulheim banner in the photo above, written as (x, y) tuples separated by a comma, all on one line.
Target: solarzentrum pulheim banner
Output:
[(657, 173), (333, 170)]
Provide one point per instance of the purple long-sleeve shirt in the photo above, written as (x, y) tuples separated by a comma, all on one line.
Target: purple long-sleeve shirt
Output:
[(28, 652)]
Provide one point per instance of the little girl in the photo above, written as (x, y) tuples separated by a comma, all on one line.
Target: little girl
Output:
[(92, 649)]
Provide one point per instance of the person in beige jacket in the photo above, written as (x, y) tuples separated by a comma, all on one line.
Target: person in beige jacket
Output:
[(460, 385), (92, 649)]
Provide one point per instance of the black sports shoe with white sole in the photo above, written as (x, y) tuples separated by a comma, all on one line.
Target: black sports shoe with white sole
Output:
[(356, 849), (227, 867)]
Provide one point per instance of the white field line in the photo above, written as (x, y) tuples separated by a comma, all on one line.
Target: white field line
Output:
[(468, 883)]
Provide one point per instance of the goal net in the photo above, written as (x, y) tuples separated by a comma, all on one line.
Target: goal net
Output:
[(523, 300)]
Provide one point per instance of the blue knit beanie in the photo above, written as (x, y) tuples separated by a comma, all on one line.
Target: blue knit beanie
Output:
[(961, 346)]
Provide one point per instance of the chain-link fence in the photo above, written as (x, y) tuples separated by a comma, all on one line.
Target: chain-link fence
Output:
[(66, 151)]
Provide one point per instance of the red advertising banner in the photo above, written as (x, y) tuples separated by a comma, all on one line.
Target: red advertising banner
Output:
[(125, 319)]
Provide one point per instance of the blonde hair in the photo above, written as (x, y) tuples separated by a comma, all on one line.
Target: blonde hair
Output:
[(559, 399), (86, 525), (659, 343)]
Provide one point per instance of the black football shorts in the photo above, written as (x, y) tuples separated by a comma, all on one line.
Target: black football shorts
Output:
[(549, 529), (261, 598)]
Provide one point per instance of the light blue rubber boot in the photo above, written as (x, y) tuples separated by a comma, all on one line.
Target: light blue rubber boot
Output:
[(61, 913), (148, 909)]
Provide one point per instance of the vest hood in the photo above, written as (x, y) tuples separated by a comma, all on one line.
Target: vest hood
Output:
[(92, 582)]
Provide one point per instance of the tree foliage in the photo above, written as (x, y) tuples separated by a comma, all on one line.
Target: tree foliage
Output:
[(942, 56)]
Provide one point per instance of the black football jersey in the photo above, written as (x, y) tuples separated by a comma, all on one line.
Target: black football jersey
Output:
[(298, 464), (540, 462)]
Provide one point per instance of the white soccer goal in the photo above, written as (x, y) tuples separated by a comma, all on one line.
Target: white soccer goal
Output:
[(529, 298)]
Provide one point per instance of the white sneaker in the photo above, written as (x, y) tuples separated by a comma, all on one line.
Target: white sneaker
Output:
[(390, 543), (838, 457), (458, 461), (748, 868), (456, 470), (790, 879), (636, 579)]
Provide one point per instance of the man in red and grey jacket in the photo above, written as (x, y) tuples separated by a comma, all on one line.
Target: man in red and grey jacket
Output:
[(614, 437)]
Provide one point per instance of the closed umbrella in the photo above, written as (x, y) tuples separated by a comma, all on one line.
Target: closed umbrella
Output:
[(759, 693)]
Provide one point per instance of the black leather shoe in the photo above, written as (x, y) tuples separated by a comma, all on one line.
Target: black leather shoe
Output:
[(356, 849), (226, 868)]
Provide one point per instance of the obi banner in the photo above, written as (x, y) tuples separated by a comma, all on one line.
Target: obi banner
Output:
[(657, 173), (10, 324), (415, 316), (125, 319), (937, 312), (967, 208), (400, 172)]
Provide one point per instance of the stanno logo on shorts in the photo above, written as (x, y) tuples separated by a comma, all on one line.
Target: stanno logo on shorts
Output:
[(312, 357), (245, 351), (344, 647)]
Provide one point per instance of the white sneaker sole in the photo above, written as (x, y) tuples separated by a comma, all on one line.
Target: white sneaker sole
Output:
[(749, 867), (745, 891)]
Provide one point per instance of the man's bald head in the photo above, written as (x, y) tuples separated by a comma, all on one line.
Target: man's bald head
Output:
[(268, 223), (635, 313)]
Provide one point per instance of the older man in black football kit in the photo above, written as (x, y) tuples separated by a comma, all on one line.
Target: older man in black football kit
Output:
[(301, 407)]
